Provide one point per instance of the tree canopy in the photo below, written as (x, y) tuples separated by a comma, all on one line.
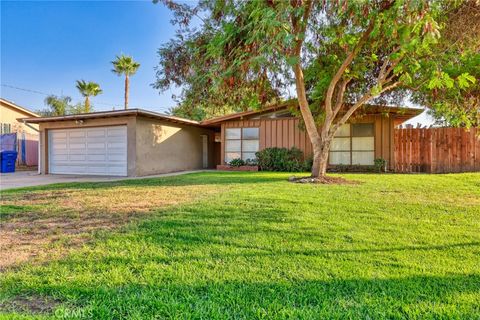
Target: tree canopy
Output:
[(333, 56), (60, 106)]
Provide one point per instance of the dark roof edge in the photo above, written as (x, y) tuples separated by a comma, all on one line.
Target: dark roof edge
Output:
[(401, 111), (106, 114)]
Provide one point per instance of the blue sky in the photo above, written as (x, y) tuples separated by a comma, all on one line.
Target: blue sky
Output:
[(47, 45)]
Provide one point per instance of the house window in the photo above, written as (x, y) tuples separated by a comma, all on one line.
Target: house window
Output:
[(353, 144), (241, 143), (5, 128)]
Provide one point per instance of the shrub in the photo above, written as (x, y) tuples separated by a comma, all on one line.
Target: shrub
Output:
[(281, 159), (380, 164), (308, 164), (237, 162), (251, 162)]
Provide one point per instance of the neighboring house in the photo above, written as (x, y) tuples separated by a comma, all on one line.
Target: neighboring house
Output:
[(137, 142), (27, 135)]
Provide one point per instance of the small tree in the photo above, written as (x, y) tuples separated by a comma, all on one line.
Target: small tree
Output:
[(87, 90), (338, 55), (125, 65), (58, 106)]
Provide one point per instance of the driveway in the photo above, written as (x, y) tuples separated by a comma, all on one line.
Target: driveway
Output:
[(21, 179)]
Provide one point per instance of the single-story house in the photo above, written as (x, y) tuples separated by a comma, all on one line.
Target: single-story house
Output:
[(138, 142), (27, 135)]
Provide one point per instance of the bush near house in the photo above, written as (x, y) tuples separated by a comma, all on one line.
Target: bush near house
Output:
[(282, 159)]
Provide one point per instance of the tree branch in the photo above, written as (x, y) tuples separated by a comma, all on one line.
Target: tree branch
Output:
[(344, 66), (364, 99), (339, 99)]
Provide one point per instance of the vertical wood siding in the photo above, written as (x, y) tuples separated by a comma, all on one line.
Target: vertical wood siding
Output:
[(287, 133)]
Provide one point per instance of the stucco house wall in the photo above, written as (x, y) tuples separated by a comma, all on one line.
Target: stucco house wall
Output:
[(9, 114), (163, 147)]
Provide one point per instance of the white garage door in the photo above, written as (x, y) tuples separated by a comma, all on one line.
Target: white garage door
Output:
[(92, 151)]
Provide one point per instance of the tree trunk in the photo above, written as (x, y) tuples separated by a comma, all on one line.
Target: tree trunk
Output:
[(127, 85), (309, 121), (324, 157), (87, 104)]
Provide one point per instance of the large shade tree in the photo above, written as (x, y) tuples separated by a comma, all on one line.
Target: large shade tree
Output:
[(337, 55), (87, 90), (125, 65)]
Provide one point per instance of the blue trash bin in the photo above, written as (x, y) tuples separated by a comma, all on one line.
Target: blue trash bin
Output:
[(8, 159)]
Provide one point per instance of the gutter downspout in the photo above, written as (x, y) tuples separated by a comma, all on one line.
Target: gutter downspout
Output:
[(39, 147)]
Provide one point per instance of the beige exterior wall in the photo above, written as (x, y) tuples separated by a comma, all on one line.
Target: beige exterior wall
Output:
[(163, 146), (130, 122), (10, 115)]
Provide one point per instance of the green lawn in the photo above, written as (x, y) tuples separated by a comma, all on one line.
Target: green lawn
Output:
[(248, 245)]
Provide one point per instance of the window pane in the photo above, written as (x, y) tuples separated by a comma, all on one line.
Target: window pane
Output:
[(339, 158), (250, 133), (363, 144), (232, 145), (343, 131), (250, 145), (229, 156), (340, 144), (362, 158), (362, 129), (232, 133), (248, 155)]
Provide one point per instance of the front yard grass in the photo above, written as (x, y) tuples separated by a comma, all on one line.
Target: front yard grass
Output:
[(247, 245)]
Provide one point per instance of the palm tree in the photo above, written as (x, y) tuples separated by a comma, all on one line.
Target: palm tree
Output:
[(59, 106), (88, 89), (125, 65)]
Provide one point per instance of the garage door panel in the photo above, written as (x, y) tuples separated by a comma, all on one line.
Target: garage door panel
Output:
[(78, 157), (115, 170), (95, 151), (116, 132), (80, 133), (96, 133), (77, 145), (96, 145), (60, 157), (96, 157), (116, 157)]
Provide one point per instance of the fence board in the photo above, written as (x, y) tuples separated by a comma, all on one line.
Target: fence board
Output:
[(437, 150)]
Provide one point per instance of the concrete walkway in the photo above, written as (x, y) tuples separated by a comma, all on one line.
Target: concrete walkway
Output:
[(21, 179)]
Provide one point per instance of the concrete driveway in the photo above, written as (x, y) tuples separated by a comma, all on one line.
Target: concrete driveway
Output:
[(21, 179)]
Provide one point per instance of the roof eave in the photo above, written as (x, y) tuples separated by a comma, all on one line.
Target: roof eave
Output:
[(22, 109), (110, 114)]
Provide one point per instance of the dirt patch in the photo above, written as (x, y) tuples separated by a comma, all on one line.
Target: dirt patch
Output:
[(45, 224), (30, 304), (322, 180)]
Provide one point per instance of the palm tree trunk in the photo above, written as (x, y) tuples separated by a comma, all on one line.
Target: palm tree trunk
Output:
[(127, 85), (87, 104)]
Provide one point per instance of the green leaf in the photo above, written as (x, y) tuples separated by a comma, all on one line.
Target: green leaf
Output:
[(465, 80), (292, 60)]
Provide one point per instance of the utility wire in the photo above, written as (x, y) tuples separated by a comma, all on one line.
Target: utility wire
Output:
[(119, 105), (48, 94)]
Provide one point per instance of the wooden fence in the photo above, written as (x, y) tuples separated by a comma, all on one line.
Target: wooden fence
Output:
[(437, 150)]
